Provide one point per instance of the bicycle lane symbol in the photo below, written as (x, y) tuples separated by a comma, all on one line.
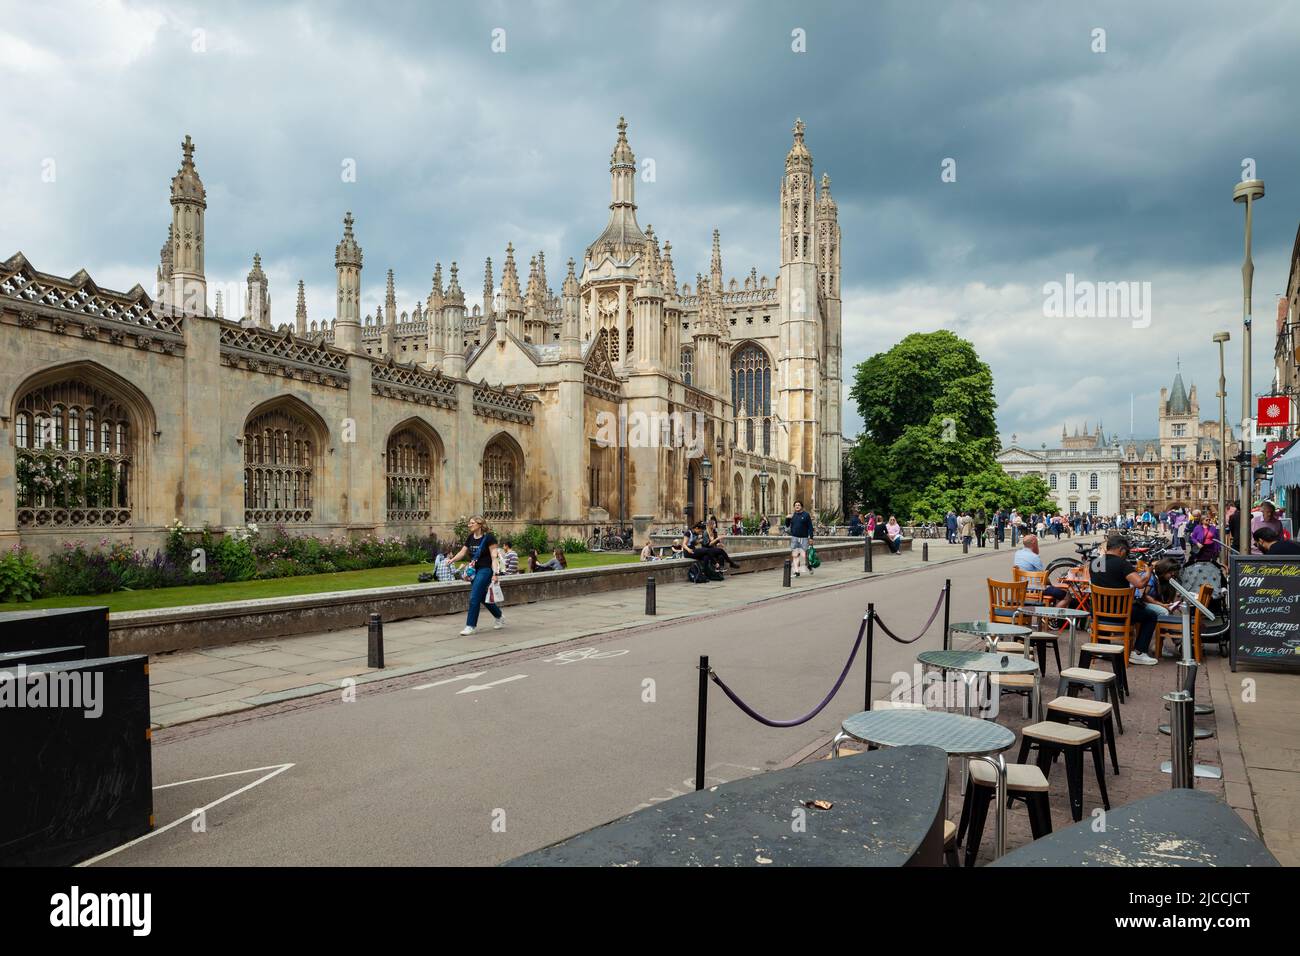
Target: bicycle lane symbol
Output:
[(582, 654)]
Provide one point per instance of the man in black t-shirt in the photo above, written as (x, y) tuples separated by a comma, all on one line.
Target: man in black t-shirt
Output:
[(1113, 570), (1267, 540)]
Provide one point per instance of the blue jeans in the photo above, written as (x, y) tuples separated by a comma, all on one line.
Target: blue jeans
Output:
[(478, 595)]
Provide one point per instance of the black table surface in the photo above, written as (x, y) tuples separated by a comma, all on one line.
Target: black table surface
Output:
[(1174, 828), (883, 804)]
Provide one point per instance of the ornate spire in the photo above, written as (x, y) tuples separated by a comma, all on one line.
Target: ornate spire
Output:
[(670, 279), (510, 277), (301, 310), (571, 281), (186, 185), (390, 299), (798, 155), (715, 264), (541, 276), (622, 236), (531, 294), (347, 252), (220, 312), (454, 294), (489, 290), (826, 200)]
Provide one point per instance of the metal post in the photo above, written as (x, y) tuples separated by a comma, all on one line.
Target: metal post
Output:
[(785, 575), (702, 722), (866, 554), (1246, 192), (965, 545), (650, 594), (871, 637), (1015, 536), (995, 541), (925, 550), (375, 641), (947, 609), (1182, 756)]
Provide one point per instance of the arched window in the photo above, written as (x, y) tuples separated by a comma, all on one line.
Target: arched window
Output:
[(279, 468), (751, 396), (67, 476), (1051, 481), (739, 499), (1074, 482), (1093, 482), (410, 464), (501, 468), (785, 497), (688, 365)]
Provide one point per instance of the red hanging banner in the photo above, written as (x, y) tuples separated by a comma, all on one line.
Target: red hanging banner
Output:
[(1273, 410)]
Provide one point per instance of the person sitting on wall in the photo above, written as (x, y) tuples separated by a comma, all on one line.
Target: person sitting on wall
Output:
[(648, 552), (715, 542), (894, 535), (695, 546), (509, 558), (856, 527)]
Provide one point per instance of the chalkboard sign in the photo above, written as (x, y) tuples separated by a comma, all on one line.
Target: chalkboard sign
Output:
[(1265, 595)]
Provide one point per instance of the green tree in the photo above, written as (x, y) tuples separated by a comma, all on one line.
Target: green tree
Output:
[(928, 411)]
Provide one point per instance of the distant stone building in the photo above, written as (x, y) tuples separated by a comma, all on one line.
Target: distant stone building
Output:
[(1082, 474), (1179, 468)]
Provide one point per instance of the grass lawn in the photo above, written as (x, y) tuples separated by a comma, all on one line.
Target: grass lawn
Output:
[(275, 587)]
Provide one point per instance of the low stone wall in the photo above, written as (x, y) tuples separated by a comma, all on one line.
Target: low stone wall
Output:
[(210, 625)]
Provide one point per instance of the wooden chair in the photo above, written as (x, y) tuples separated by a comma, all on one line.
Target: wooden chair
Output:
[(1112, 612), (1005, 599), (1036, 581), (1172, 627)]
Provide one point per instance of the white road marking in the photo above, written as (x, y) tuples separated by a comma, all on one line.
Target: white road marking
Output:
[(451, 680), (582, 654), (275, 772), (504, 680)]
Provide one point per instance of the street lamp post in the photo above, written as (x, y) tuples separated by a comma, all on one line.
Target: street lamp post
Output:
[(1246, 192), (706, 475), (1220, 338), (762, 491)]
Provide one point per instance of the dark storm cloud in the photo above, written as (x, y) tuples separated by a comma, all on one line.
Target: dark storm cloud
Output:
[(1113, 166)]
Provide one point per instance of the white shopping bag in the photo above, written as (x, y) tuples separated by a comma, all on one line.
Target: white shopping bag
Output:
[(495, 594)]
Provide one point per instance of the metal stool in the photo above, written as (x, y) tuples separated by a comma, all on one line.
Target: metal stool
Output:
[(1024, 782), (1039, 640), (1052, 739), (1112, 654), (1102, 683), (1093, 714)]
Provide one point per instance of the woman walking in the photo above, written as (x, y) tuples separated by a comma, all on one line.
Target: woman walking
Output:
[(481, 546)]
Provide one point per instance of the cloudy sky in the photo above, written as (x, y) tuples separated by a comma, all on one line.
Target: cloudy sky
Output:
[(1112, 165)]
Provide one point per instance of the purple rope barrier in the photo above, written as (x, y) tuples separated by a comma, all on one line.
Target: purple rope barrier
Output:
[(933, 615), (816, 710)]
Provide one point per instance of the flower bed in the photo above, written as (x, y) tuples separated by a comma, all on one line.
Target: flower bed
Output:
[(199, 557)]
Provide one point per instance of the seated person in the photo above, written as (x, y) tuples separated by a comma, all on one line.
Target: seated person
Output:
[(557, 562), (716, 544), (443, 569), (509, 558), (1267, 540), (856, 527), (648, 552), (1113, 570), (695, 546), (894, 535), (764, 526), (1027, 559)]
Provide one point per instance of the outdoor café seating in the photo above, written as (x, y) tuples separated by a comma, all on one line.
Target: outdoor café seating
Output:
[(1103, 684), (1112, 629), (1052, 739), (1170, 626), (1025, 782), (1007, 599), (1093, 714)]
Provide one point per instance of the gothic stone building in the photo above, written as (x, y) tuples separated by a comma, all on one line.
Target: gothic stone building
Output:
[(1179, 468), (124, 413)]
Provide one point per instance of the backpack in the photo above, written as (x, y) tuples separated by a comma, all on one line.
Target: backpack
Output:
[(695, 573)]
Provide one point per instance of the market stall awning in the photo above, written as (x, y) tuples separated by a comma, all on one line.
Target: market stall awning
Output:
[(1286, 470)]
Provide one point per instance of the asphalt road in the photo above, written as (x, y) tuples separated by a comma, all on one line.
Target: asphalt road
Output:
[(463, 774)]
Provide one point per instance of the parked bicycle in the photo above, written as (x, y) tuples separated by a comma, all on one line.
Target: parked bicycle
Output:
[(608, 539)]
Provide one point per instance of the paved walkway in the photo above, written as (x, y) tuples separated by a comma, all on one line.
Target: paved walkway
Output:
[(189, 685), (1258, 717)]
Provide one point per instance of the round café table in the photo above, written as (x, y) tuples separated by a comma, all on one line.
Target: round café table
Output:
[(1071, 615), (973, 665), (955, 734), (990, 631)]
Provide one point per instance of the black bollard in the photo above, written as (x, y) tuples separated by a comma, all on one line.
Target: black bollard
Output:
[(965, 546), (650, 594), (947, 609), (702, 722), (785, 575), (866, 555), (1015, 535), (925, 551), (871, 634), (995, 542), (375, 651)]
